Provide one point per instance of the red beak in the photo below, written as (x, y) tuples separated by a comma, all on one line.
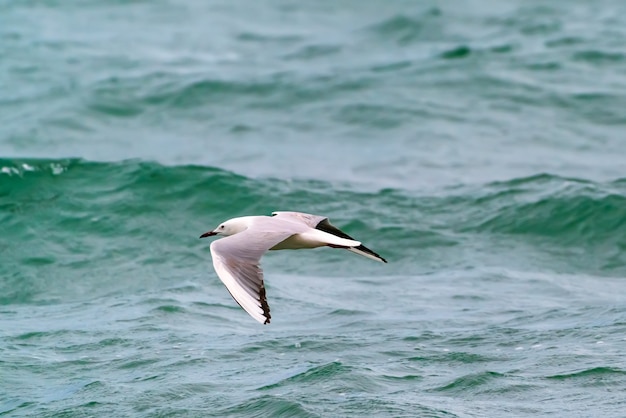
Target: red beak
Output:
[(208, 234)]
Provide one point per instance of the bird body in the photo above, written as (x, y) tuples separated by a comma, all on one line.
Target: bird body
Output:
[(236, 257)]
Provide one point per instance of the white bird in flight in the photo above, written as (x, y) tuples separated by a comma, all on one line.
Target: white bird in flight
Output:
[(236, 257)]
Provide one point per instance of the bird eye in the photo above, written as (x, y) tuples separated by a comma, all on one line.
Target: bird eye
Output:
[(221, 226)]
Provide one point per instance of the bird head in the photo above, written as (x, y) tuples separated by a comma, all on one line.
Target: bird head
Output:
[(230, 227)]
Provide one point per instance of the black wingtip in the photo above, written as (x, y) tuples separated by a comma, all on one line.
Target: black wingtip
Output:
[(370, 252), (329, 228), (264, 305)]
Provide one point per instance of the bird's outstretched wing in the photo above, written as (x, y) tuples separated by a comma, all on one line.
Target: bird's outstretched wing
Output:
[(304, 218), (236, 260), (323, 224)]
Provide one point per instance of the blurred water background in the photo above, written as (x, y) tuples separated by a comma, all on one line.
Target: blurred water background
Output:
[(477, 145)]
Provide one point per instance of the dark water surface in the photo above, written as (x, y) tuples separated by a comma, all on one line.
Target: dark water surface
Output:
[(477, 145)]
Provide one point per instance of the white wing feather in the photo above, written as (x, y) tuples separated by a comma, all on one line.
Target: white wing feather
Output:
[(236, 260)]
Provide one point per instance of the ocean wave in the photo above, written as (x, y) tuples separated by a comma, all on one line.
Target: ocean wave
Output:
[(595, 373), (573, 210), (129, 96), (81, 215), (311, 375), (474, 382), (268, 405), (568, 209), (405, 29)]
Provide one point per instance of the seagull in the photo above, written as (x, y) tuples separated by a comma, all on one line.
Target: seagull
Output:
[(236, 257)]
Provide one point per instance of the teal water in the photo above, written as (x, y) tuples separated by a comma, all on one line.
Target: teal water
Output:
[(478, 146)]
